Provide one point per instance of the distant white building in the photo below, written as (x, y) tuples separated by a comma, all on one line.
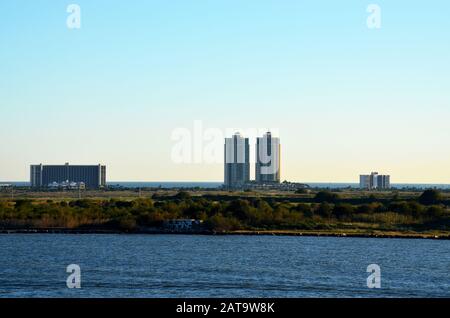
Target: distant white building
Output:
[(374, 181), (67, 185), (267, 166), (237, 161)]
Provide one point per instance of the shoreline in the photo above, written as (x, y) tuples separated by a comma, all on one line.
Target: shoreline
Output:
[(394, 234)]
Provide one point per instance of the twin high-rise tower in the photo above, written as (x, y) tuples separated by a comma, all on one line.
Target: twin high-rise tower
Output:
[(267, 159), (237, 160)]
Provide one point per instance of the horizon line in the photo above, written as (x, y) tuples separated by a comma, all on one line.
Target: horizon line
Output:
[(303, 182)]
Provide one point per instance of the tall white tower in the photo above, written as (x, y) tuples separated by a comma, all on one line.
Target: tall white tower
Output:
[(237, 161), (268, 155)]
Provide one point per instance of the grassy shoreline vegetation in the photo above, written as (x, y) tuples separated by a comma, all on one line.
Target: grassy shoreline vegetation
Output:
[(321, 213)]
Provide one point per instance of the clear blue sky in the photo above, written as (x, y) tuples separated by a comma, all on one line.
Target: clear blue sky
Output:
[(346, 99)]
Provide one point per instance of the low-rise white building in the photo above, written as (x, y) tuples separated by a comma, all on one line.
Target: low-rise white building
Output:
[(67, 185)]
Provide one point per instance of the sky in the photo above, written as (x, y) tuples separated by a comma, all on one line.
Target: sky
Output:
[(345, 99)]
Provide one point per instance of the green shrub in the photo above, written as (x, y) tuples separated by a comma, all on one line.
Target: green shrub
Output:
[(326, 196)]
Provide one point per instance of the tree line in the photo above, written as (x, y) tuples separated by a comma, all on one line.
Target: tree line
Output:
[(326, 211)]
